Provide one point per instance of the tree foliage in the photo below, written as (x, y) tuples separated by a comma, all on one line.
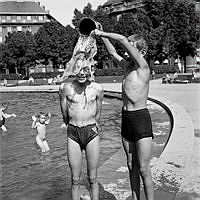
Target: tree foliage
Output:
[(169, 26), (18, 51)]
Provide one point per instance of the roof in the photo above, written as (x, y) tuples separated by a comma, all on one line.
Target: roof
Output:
[(111, 2), (7, 7)]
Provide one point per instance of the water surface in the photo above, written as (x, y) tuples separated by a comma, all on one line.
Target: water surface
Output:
[(26, 175)]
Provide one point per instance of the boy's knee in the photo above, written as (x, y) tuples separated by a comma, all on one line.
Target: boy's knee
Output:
[(144, 171), (92, 179), (129, 165), (76, 181)]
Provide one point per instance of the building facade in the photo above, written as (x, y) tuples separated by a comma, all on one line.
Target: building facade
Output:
[(116, 7), (22, 16)]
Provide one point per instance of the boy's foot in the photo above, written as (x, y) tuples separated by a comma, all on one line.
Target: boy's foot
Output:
[(85, 197)]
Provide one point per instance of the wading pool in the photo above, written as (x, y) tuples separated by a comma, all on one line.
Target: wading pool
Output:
[(26, 175)]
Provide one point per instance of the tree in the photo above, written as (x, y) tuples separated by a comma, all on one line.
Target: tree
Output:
[(19, 52), (175, 27), (54, 43)]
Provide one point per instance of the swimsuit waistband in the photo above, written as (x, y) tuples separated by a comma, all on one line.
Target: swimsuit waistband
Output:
[(94, 124), (134, 111)]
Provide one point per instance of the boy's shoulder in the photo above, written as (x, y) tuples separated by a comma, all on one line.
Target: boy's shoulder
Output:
[(66, 86), (97, 86)]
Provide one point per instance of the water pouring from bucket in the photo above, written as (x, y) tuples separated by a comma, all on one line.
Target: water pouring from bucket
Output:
[(84, 51)]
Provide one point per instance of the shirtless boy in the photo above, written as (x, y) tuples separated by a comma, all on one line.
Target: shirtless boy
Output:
[(39, 123), (81, 102), (4, 116), (136, 127)]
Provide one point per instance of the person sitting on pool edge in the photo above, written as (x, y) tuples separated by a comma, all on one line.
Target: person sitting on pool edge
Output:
[(81, 103), (136, 128), (39, 123), (4, 116)]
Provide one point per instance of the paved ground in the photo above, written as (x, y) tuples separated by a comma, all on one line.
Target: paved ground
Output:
[(176, 173)]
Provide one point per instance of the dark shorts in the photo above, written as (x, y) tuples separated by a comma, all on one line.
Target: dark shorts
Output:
[(2, 122), (82, 135), (136, 125)]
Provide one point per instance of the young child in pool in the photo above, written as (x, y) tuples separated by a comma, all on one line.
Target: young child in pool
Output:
[(4, 116), (39, 123)]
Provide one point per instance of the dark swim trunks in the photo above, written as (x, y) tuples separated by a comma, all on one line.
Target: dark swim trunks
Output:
[(2, 122), (82, 135), (136, 125)]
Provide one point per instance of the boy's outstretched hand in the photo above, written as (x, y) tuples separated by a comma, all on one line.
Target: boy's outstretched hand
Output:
[(34, 118)]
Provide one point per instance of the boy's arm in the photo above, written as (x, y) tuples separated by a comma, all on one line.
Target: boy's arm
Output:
[(34, 124), (63, 103), (48, 120), (99, 100), (111, 50), (130, 49), (5, 115)]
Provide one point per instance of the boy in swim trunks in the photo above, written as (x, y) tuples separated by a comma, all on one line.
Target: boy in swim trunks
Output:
[(81, 102), (136, 127), (39, 123), (4, 116)]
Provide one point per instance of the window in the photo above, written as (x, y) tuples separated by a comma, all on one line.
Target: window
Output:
[(29, 28), (1, 39), (41, 18), (0, 29), (19, 17), (8, 17), (19, 28), (9, 29), (28, 17)]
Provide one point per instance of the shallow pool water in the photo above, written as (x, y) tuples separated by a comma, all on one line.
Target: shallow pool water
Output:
[(26, 175)]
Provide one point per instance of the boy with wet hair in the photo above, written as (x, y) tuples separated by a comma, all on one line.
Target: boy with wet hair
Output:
[(136, 128), (81, 102), (39, 123), (4, 116)]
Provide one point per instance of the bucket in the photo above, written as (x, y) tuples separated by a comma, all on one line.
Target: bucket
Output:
[(86, 26)]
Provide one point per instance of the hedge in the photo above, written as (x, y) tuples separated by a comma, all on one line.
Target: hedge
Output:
[(161, 69), (10, 76)]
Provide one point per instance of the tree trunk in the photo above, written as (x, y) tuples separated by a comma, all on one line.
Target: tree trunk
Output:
[(184, 64)]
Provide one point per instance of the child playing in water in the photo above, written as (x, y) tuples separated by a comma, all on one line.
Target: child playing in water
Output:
[(4, 116), (39, 123)]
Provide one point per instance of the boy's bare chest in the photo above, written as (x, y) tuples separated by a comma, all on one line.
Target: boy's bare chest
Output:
[(88, 95)]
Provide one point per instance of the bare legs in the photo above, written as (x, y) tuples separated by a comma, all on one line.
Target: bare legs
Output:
[(42, 144), (92, 155), (75, 161), (138, 160)]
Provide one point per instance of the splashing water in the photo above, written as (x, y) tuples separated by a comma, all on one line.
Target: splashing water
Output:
[(83, 55)]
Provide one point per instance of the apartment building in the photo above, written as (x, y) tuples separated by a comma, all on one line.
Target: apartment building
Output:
[(22, 16)]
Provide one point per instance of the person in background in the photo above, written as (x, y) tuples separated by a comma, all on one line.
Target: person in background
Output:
[(4, 116), (39, 123), (5, 82)]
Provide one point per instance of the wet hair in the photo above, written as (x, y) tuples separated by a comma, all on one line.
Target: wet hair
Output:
[(141, 44), (4, 105), (41, 113)]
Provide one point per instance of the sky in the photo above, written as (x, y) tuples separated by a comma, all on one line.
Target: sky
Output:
[(63, 10)]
